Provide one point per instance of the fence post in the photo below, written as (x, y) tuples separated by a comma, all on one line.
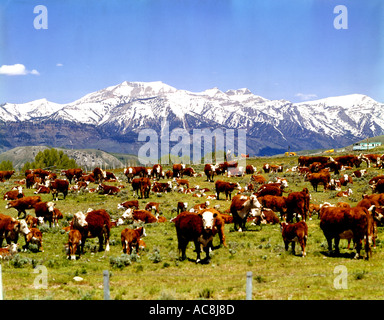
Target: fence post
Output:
[(1, 284), (248, 295), (106, 284)]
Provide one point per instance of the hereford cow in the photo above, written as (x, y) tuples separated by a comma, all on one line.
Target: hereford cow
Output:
[(109, 190), (139, 215), (128, 204), (131, 172), (241, 207), (75, 173), (8, 251), (181, 182), (42, 189), (23, 204), (46, 211), (258, 179), (196, 227), (152, 206), (305, 161), (189, 172), (6, 174), (10, 228), (298, 204), (295, 232), (145, 187), (210, 170), (177, 170), (58, 186), (181, 206), (250, 169), (323, 177), (378, 187), (346, 223), (95, 223), (14, 194), (273, 189), (162, 187), (74, 242), (275, 203), (131, 239), (99, 175), (226, 187), (157, 170), (201, 206), (34, 236)]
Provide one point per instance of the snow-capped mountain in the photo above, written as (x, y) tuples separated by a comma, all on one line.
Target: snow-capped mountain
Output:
[(111, 118)]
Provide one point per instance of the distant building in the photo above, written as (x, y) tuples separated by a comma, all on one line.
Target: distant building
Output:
[(365, 146)]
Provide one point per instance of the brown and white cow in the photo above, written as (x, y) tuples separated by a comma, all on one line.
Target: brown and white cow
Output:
[(182, 206), (139, 215), (130, 238), (152, 206), (58, 186), (295, 232), (34, 236), (128, 204), (10, 228), (346, 223), (157, 170), (14, 194), (73, 245), (106, 189), (8, 251), (75, 173), (23, 204), (46, 211), (225, 187), (177, 170), (298, 205), (95, 223), (241, 207), (210, 170)]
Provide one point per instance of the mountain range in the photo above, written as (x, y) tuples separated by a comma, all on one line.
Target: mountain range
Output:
[(110, 119)]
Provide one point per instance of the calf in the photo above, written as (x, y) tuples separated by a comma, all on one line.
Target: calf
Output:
[(181, 207), (139, 215), (152, 206), (10, 228), (226, 187), (33, 222), (296, 232), (110, 190), (275, 203), (182, 182), (34, 236), (210, 170), (201, 206), (8, 251), (131, 239), (74, 242), (45, 210)]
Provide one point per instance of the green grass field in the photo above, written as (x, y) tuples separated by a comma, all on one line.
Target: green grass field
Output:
[(158, 273)]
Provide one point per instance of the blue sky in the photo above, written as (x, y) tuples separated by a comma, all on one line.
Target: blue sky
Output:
[(286, 49)]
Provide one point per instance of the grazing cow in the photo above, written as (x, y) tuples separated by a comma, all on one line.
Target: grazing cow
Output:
[(152, 206), (196, 227), (95, 223), (349, 160), (295, 232), (258, 179), (74, 242), (169, 174), (139, 215), (275, 203), (105, 189), (323, 177), (181, 207), (157, 170), (10, 228), (305, 161), (99, 175), (72, 173), (128, 204), (8, 251), (131, 239), (145, 187), (34, 236), (178, 170), (346, 223), (45, 210), (298, 204), (14, 194), (23, 204), (6, 174), (210, 170), (226, 187), (241, 207), (58, 186)]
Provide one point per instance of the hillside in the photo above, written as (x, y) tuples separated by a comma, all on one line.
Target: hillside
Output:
[(87, 158)]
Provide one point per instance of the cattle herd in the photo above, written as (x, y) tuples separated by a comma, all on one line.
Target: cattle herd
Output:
[(265, 198)]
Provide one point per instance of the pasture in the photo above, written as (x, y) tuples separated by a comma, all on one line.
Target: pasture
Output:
[(159, 274)]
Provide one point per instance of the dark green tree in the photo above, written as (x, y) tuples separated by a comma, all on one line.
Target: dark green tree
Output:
[(51, 158)]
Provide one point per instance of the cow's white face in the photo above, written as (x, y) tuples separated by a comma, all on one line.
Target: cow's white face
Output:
[(13, 248), (255, 212), (128, 214), (185, 205), (119, 222), (208, 218), (51, 206), (79, 218), (40, 220), (255, 202), (170, 184), (24, 227)]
